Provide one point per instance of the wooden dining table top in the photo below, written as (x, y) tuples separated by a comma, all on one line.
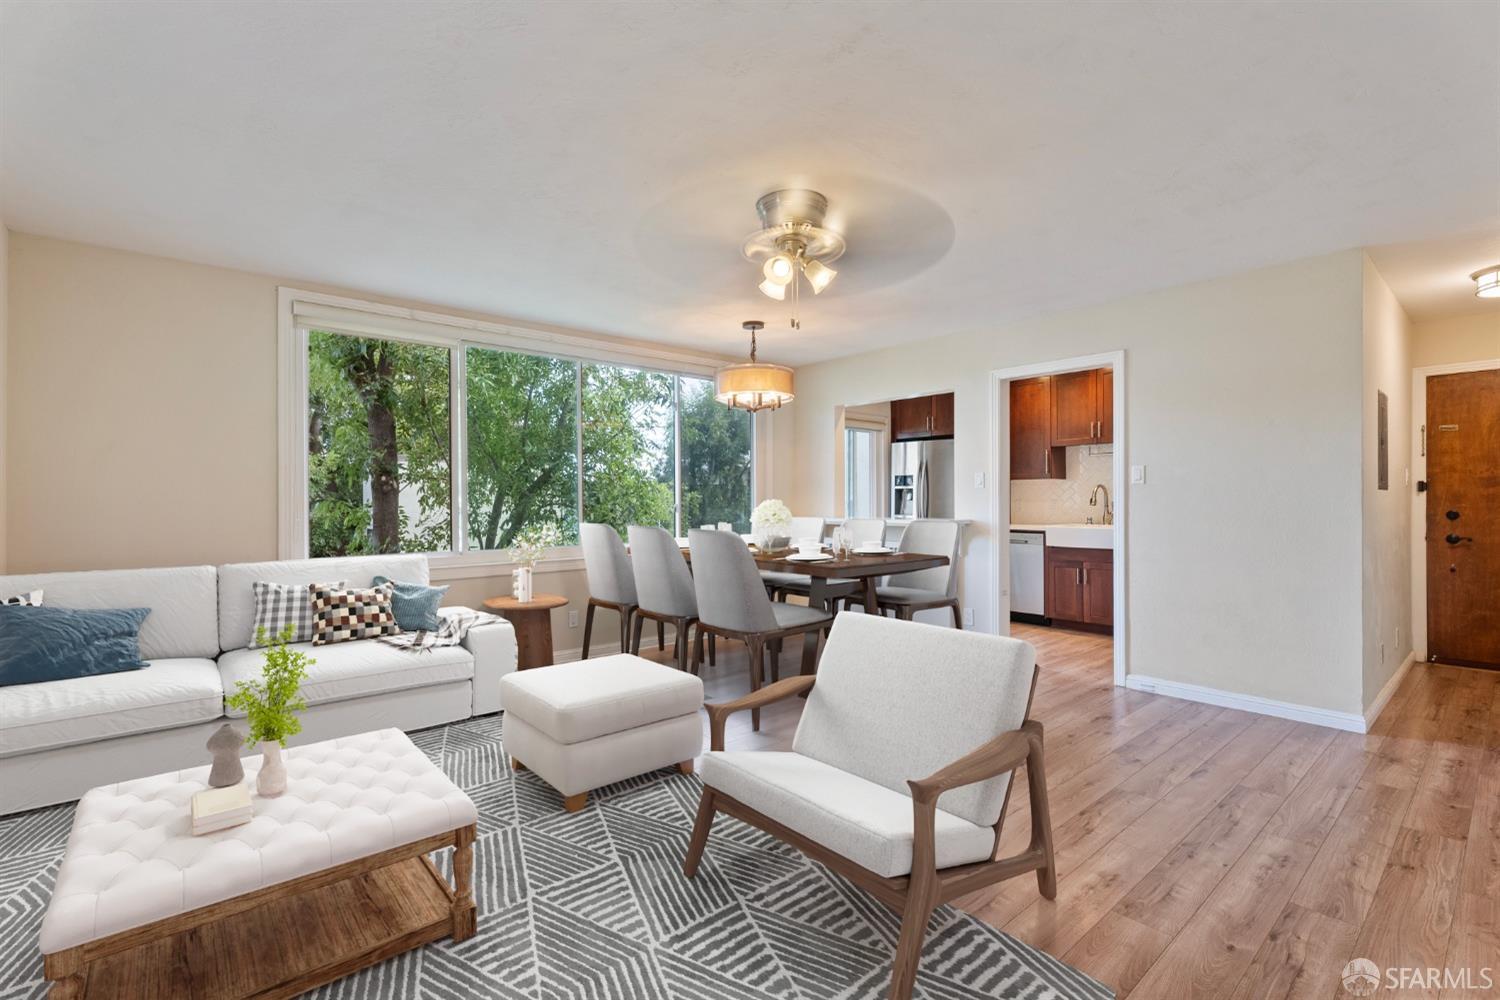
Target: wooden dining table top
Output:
[(846, 567)]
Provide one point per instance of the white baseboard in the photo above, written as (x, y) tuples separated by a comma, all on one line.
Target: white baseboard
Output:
[(1383, 698), (1347, 721)]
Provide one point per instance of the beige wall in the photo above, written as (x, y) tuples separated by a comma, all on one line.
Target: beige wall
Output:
[(142, 403), (1386, 514), (1243, 401), (1475, 337), (4, 392), (1457, 339)]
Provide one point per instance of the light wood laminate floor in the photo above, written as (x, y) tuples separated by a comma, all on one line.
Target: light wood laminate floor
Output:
[(1207, 852)]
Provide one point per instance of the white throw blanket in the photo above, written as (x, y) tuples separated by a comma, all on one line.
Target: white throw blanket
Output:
[(455, 624)]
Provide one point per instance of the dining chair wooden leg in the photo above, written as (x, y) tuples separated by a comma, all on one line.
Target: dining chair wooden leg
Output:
[(635, 636), (661, 635), (958, 617), (713, 650), (757, 664), (701, 827), (697, 659), (775, 661), (680, 645), (625, 623), (588, 629)]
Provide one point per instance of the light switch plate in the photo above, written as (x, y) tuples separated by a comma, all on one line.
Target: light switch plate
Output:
[(1137, 473), (968, 617), (979, 480), (572, 619)]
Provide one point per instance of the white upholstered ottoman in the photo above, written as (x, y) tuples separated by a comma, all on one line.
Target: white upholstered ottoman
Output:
[(142, 907), (587, 724)]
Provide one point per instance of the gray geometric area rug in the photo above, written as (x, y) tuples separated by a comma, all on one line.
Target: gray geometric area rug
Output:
[(594, 906)]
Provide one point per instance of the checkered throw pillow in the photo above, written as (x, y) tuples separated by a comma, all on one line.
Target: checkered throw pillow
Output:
[(32, 598), (342, 615), (278, 605)]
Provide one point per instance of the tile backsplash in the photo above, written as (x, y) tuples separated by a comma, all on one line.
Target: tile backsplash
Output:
[(1065, 501)]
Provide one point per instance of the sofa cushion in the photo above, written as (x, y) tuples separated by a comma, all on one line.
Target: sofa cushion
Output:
[(896, 700), (856, 819), (415, 604), (237, 600), (164, 695), (573, 702), (183, 601), (40, 644), (354, 669)]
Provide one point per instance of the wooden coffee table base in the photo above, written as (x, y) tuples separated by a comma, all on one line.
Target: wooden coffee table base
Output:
[(285, 939)]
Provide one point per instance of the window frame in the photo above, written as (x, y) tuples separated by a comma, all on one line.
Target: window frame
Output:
[(300, 311), (877, 442)]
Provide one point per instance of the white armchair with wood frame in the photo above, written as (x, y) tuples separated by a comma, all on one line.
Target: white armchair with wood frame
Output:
[(900, 770)]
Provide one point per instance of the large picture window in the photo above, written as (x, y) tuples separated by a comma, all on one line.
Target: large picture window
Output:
[(396, 426)]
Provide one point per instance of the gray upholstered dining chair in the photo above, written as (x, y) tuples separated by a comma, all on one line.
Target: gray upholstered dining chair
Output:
[(611, 581), (664, 589), (900, 772), (907, 593), (732, 602), (779, 583)]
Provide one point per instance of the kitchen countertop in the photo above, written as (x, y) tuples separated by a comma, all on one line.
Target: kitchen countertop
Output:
[(1074, 536)]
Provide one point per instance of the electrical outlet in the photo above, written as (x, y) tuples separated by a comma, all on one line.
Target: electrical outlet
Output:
[(968, 617), (572, 619)]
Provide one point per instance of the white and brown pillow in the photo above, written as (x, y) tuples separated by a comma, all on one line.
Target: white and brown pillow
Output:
[(278, 605), (32, 598), (342, 615)]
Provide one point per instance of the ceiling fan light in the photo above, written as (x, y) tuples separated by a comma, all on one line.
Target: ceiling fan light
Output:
[(779, 270), (772, 289), (1487, 282), (818, 274)]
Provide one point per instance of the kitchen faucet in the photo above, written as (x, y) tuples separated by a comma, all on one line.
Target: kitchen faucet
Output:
[(1109, 510)]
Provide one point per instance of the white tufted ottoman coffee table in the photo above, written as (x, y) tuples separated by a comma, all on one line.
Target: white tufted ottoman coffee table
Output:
[(586, 724), (328, 878)]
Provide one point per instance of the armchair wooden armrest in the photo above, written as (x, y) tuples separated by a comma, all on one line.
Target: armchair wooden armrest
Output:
[(999, 756), (719, 712)]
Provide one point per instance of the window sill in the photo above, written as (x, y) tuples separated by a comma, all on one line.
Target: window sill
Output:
[(483, 565)]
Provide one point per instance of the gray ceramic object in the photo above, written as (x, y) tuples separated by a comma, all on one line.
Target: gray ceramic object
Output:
[(225, 745)]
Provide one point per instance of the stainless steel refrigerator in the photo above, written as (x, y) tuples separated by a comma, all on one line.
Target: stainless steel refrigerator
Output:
[(922, 479)]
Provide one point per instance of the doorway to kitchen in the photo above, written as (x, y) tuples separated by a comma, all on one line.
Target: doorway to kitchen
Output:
[(1058, 463), (1455, 527)]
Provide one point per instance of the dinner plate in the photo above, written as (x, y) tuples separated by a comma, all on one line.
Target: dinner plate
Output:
[(872, 550), (808, 557)]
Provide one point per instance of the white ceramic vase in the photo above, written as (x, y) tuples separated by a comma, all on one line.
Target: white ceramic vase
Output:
[(521, 584), (272, 778)]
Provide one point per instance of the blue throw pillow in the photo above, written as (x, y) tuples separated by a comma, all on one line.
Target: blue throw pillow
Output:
[(415, 605), (52, 644)]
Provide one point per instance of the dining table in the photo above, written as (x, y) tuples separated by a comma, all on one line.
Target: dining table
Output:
[(863, 568)]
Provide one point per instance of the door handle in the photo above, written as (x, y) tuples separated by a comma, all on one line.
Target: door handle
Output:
[(1453, 539)]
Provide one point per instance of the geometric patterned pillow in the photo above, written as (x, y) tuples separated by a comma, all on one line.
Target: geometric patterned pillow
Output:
[(31, 598), (278, 605), (343, 615)]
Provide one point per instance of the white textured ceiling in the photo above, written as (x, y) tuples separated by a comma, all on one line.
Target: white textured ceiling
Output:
[(596, 165)]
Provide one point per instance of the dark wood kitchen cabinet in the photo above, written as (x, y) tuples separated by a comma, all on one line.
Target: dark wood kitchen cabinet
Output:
[(1083, 407), (1080, 587), (1032, 454), (922, 417)]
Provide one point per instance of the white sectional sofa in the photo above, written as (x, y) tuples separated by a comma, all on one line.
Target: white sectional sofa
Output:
[(61, 738)]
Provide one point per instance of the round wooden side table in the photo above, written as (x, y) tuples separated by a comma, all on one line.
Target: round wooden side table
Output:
[(533, 622)]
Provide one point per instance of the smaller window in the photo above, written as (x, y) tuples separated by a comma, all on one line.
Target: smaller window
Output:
[(861, 472)]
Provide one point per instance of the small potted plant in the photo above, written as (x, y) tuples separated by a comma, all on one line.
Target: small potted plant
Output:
[(271, 705), (530, 547), (771, 523)]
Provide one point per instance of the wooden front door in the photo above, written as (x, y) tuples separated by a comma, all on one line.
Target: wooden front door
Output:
[(1463, 518)]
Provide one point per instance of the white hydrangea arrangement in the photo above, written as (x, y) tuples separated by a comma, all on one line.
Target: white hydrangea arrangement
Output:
[(771, 515), (532, 542)]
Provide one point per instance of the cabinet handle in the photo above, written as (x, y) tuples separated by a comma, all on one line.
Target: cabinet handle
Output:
[(1046, 461), (1085, 575), (1080, 576)]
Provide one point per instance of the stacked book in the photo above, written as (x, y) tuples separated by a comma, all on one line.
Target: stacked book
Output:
[(220, 808)]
